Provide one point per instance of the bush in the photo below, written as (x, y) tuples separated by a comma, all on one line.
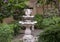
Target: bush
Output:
[(47, 22), (56, 19), (43, 23), (6, 33), (16, 27), (39, 19), (51, 34)]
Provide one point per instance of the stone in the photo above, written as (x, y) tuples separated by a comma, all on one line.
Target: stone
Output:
[(28, 12), (28, 23), (28, 38)]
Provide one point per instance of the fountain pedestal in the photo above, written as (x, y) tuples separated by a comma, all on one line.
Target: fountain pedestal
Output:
[(28, 37)]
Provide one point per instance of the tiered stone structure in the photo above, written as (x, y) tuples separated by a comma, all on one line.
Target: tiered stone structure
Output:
[(28, 37)]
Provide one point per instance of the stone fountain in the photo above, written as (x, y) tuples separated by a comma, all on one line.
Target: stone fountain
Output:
[(28, 23)]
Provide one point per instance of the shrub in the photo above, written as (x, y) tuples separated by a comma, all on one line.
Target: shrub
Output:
[(16, 27), (47, 22), (6, 33), (38, 18), (56, 19), (12, 8), (43, 23), (51, 34)]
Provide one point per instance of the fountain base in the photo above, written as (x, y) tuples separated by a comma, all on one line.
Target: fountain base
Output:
[(28, 38)]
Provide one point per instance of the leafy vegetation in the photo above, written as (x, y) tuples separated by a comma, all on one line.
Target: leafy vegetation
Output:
[(47, 22), (52, 3), (12, 8), (39, 19), (16, 27), (51, 34), (6, 33)]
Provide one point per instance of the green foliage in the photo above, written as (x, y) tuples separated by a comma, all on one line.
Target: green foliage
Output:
[(51, 31), (51, 34), (6, 33), (41, 2), (45, 2), (12, 7), (43, 23), (16, 27), (47, 22), (56, 19), (51, 12), (39, 19), (17, 8), (49, 1)]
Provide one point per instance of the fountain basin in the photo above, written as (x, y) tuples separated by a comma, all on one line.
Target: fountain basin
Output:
[(28, 16), (24, 23), (27, 23)]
